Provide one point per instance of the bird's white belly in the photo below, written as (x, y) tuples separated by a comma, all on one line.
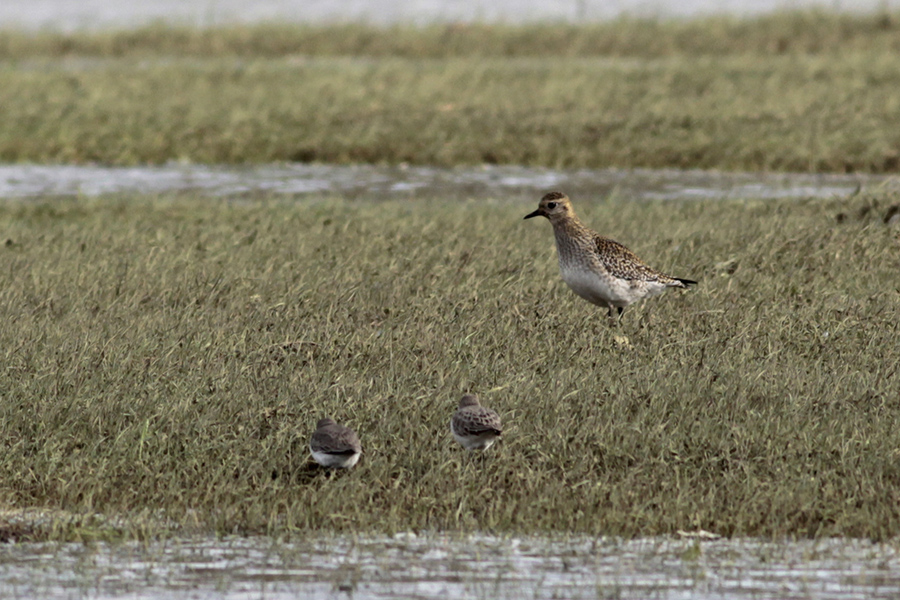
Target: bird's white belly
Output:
[(335, 461), (474, 442), (605, 290), (594, 288)]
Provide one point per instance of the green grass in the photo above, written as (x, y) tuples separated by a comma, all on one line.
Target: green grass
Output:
[(791, 92), (168, 357), (839, 113)]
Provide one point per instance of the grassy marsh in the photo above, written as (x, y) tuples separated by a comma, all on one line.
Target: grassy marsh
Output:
[(169, 356), (778, 113), (794, 92)]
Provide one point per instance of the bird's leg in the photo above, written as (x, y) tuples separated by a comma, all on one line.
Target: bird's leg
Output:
[(615, 314)]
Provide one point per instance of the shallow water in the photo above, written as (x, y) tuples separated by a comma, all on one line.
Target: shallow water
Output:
[(379, 182), (408, 566), (91, 14)]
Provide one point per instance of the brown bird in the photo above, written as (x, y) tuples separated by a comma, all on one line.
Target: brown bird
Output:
[(600, 270)]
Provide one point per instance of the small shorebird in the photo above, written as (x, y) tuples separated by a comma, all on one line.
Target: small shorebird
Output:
[(474, 426), (334, 445), (600, 270)]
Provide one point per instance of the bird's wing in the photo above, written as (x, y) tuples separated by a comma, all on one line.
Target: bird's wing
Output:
[(335, 440), (477, 422), (623, 263)]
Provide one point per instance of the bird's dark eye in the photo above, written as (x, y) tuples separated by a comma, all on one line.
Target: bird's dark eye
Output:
[(551, 205)]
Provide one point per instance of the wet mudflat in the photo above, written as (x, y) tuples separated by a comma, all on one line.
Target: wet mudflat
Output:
[(392, 182), (452, 567)]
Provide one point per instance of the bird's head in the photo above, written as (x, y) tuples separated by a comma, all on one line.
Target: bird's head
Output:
[(554, 206)]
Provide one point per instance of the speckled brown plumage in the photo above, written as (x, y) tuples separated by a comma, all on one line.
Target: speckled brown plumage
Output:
[(473, 425), (600, 270)]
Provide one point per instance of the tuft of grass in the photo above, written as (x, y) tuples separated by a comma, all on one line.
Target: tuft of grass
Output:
[(170, 356)]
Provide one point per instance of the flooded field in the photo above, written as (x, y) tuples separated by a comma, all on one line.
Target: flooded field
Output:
[(407, 566), (382, 182)]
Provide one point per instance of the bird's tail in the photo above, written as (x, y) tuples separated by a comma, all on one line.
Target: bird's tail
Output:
[(686, 282)]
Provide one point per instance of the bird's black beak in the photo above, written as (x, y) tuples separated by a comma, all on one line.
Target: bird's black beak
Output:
[(537, 213)]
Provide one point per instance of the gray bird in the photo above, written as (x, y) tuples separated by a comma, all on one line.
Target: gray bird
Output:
[(334, 446), (473, 425)]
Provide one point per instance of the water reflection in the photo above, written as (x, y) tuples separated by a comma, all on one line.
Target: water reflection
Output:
[(452, 567), (380, 182)]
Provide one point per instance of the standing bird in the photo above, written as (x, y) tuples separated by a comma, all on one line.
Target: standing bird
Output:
[(600, 270), (474, 426), (334, 445)]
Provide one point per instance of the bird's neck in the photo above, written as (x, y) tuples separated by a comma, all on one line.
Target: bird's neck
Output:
[(572, 238), (569, 232)]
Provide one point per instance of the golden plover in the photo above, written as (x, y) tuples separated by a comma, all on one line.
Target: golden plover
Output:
[(334, 445), (600, 270), (474, 426)]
